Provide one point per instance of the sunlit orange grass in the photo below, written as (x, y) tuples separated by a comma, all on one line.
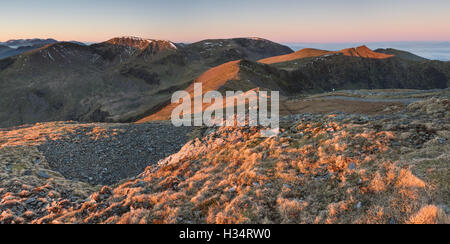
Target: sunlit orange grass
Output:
[(42, 132), (407, 179), (429, 215), (335, 209), (362, 52), (242, 178), (211, 80), (99, 133), (34, 135)]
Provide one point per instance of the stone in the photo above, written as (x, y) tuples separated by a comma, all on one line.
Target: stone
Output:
[(43, 174), (287, 186), (352, 166), (30, 200)]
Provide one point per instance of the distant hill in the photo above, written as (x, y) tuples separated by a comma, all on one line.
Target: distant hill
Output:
[(4, 50), (360, 68), (117, 80), (362, 51), (237, 48), (78, 43), (313, 71), (401, 54), (28, 42), (304, 53), (17, 47), (129, 79)]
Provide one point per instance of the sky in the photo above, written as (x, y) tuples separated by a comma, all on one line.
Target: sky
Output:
[(318, 21)]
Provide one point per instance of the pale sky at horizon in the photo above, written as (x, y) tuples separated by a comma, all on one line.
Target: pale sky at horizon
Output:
[(194, 20)]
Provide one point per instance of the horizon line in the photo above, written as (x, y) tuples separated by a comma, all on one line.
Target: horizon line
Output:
[(212, 38)]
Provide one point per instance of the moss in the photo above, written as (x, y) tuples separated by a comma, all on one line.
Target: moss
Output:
[(437, 173), (18, 167)]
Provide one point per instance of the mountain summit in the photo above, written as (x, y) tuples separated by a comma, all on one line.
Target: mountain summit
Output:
[(364, 52), (119, 80), (361, 52), (142, 43)]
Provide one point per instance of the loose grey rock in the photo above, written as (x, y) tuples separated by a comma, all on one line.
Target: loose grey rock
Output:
[(352, 166), (120, 152), (43, 174)]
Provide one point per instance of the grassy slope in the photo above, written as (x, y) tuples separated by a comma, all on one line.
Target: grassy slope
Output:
[(324, 169)]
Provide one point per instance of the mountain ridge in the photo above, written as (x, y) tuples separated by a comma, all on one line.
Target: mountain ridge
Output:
[(20, 46), (141, 43), (109, 82), (401, 54), (314, 70), (128, 79), (361, 51), (28, 42)]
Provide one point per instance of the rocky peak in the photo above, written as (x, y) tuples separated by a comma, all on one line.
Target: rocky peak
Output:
[(364, 52), (142, 43)]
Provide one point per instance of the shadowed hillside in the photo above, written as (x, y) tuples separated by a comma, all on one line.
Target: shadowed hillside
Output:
[(313, 71), (17, 47), (131, 79), (401, 54), (118, 80)]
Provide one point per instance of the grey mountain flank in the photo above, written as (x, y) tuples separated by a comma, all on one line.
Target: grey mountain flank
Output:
[(17, 47), (127, 79), (116, 81), (310, 71)]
